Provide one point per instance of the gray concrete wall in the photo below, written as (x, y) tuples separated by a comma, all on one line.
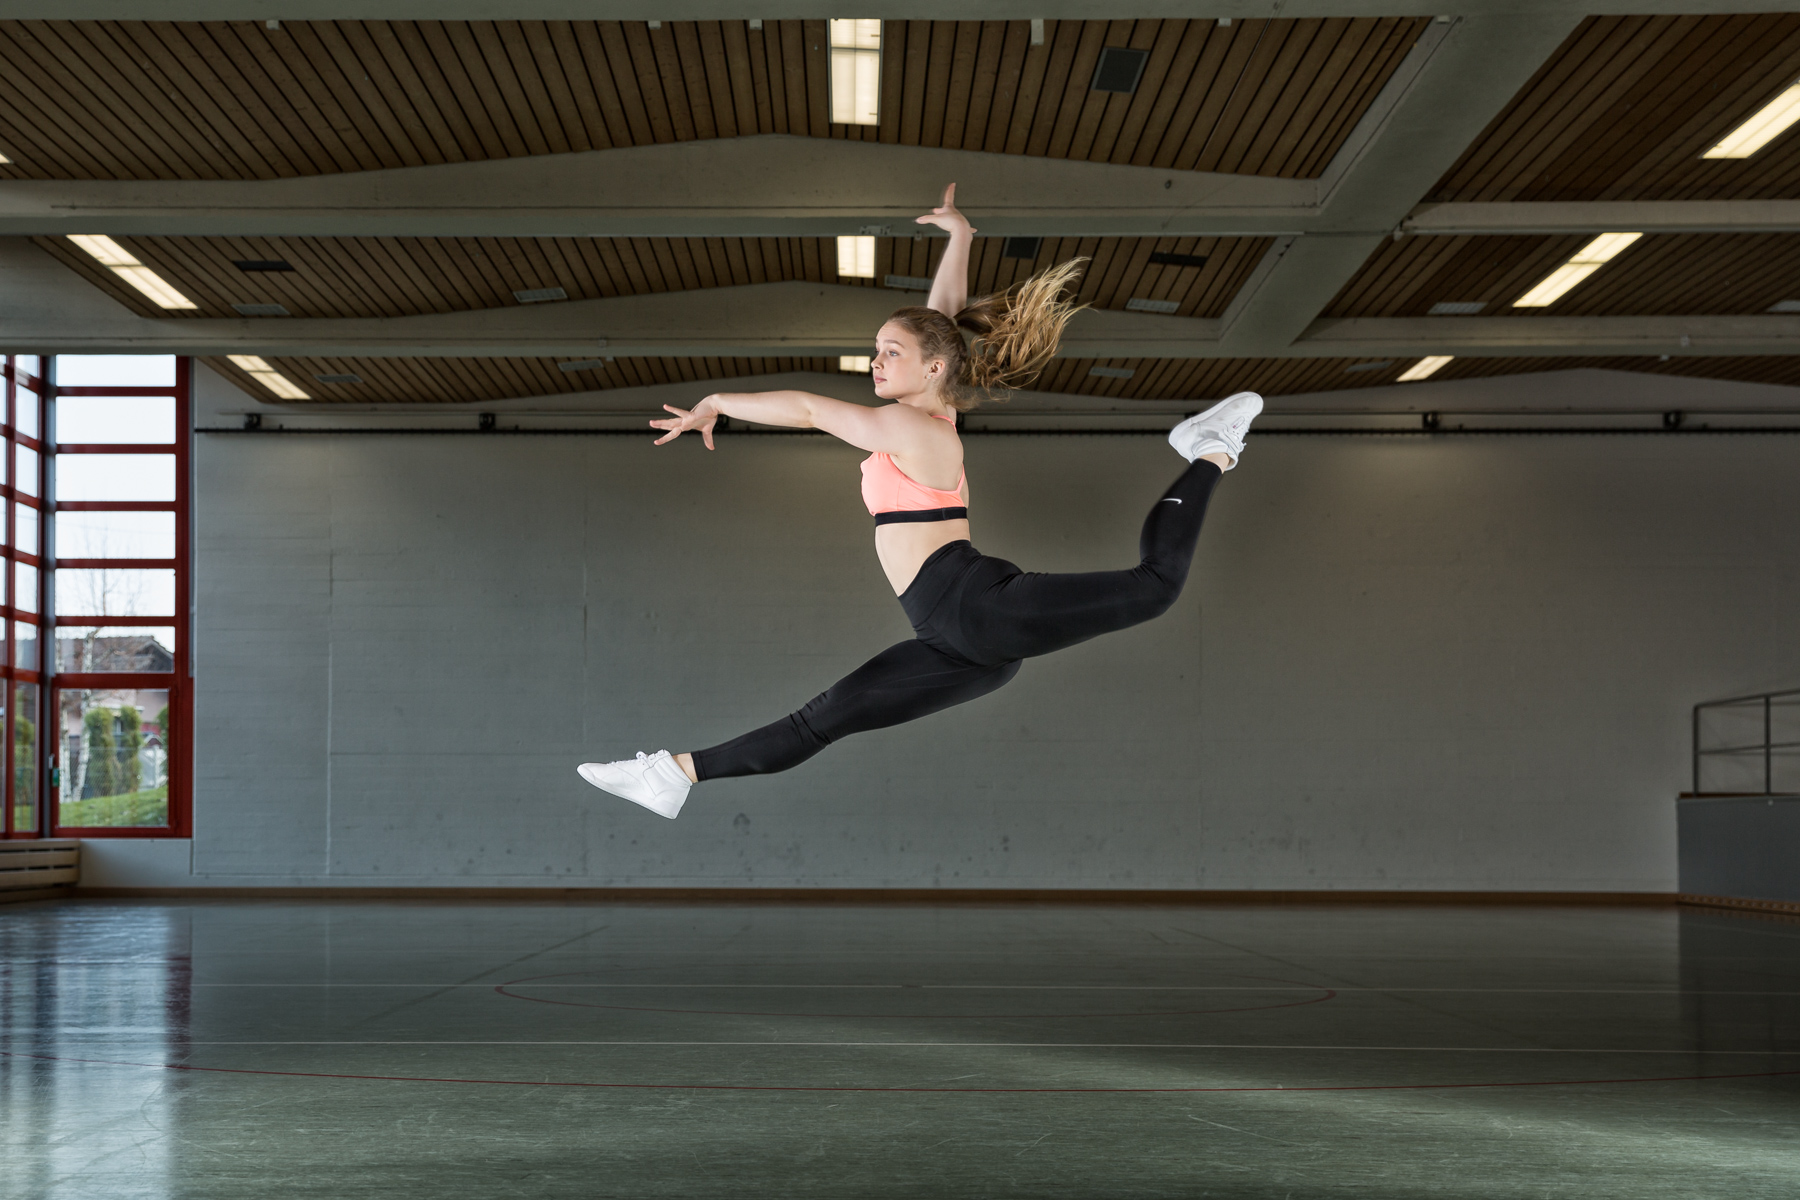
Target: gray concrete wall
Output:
[(1402, 663)]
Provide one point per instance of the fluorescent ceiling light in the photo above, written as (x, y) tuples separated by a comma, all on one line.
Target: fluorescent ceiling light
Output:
[(856, 257), (1764, 126), (268, 376), (1586, 261), (856, 72), (855, 363), (1425, 367), (4, 159), (120, 262)]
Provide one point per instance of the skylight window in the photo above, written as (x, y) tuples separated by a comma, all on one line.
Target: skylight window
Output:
[(1587, 260), (120, 262), (1764, 126), (268, 376), (856, 72)]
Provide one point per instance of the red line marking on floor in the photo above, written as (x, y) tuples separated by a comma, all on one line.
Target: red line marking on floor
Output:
[(1327, 994), (771, 1087)]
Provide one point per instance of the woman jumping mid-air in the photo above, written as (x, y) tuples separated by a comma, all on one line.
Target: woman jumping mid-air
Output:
[(976, 617)]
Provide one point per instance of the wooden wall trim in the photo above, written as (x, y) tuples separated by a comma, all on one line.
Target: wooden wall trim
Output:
[(886, 896)]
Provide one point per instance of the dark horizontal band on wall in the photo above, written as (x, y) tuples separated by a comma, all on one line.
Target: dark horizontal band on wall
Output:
[(784, 895)]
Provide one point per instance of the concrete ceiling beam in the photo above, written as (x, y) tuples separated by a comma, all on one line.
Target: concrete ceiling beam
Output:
[(1483, 219), (1452, 84), (766, 185)]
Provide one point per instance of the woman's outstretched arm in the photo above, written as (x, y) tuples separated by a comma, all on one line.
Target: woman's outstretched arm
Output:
[(894, 428), (950, 288)]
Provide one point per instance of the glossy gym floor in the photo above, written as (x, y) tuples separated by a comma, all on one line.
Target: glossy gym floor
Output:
[(233, 1049)]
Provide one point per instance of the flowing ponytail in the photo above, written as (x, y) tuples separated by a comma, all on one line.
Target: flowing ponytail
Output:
[(1014, 334)]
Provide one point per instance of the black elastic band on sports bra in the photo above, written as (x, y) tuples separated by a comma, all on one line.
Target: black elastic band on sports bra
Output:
[(922, 514)]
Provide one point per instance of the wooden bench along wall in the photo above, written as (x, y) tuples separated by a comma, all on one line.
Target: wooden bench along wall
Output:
[(39, 869)]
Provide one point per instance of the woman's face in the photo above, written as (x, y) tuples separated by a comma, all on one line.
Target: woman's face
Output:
[(899, 369)]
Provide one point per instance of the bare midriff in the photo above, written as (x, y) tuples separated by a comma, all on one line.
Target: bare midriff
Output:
[(903, 548)]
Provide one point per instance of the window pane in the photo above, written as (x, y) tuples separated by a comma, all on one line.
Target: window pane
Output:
[(114, 535), (25, 412), (26, 477), (25, 589), (25, 716), (31, 364), (25, 526), (120, 648), (84, 419), (115, 477), (115, 370), (114, 758), (25, 645), (113, 592)]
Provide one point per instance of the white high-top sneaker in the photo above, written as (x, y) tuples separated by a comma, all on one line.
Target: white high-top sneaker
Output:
[(1221, 429), (655, 781)]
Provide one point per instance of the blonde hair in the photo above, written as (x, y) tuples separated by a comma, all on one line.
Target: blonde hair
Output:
[(1013, 335)]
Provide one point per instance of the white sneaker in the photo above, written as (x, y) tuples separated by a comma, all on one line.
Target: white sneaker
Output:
[(1221, 429), (655, 781)]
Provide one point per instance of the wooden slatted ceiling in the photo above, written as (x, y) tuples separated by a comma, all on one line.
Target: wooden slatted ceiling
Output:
[(469, 380), (1626, 107), (235, 100), (1658, 275), (389, 277)]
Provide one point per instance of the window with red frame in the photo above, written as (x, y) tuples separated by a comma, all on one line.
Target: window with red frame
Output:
[(97, 513)]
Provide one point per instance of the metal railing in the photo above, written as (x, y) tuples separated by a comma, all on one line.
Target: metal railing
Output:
[(1747, 740)]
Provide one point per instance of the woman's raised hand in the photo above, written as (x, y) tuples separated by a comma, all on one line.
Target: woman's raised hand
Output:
[(945, 216), (701, 417)]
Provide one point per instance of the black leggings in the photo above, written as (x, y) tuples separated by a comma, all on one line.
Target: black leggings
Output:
[(976, 617)]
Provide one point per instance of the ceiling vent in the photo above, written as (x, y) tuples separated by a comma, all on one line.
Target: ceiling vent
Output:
[(262, 310), (1785, 306), (338, 378), (1112, 372), (1374, 366), (539, 295), (1026, 248), (586, 364), (1163, 259), (262, 264), (1166, 307), (908, 283), (1119, 70), (1457, 308)]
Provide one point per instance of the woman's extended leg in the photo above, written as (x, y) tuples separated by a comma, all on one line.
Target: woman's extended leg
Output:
[(1028, 614), (902, 683)]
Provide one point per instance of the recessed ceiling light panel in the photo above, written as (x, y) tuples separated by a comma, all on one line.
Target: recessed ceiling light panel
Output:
[(1586, 261), (122, 263), (1764, 126), (1426, 367), (855, 364), (856, 257)]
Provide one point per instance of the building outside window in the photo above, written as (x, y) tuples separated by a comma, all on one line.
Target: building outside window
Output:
[(97, 585)]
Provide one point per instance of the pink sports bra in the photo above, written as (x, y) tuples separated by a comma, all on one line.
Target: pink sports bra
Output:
[(893, 496)]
